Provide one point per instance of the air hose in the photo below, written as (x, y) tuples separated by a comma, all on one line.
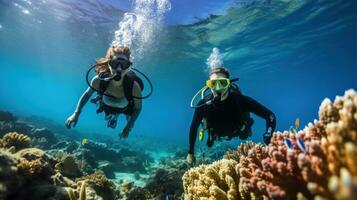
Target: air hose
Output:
[(134, 69)]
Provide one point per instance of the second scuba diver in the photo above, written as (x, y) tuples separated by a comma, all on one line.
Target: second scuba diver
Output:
[(119, 90), (225, 113)]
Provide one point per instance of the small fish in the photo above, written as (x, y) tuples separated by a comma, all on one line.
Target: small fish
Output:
[(84, 141), (288, 143), (301, 145), (168, 197), (292, 129), (201, 134), (297, 123)]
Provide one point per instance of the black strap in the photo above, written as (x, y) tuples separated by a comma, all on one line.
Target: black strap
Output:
[(129, 80), (103, 84)]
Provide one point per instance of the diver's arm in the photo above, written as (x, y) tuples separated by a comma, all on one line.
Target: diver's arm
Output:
[(86, 95), (137, 105), (197, 118), (82, 101), (258, 109)]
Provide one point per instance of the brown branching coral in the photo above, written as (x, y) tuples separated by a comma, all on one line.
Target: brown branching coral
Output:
[(102, 186), (242, 150), (68, 166), (17, 140), (34, 163), (29, 173), (325, 169), (81, 192), (127, 191)]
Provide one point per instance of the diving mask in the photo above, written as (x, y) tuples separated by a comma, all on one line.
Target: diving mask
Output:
[(218, 83), (120, 62)]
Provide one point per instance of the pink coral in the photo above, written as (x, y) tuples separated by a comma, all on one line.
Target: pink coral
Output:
[(326, 169)]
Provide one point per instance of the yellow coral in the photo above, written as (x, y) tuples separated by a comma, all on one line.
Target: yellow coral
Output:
[(242, 150), (213, 181), (16, 140), (81, 190)]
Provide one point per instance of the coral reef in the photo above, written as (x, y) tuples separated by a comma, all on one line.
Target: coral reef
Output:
[(40, 137), (53, 166), (45, 166), (242, 151), (218, 180), (68, 166), (127, 191), (43, 138), (35, 164), (102, 186), (165, 180), (16, 140), (7, 117), (324, 167), (14, 126), (31, 173), (9, 178)]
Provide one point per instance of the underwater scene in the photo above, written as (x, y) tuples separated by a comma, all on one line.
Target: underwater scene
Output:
[(178, 99)]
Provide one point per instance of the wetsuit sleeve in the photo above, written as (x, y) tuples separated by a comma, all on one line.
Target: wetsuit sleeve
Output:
[(251, 105), (197, 118)]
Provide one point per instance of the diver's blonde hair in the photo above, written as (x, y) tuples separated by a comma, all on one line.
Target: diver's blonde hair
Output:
[(102, 63)]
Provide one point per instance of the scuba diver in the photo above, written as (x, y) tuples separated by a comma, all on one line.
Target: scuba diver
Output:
[(118, 90), (225, 113)]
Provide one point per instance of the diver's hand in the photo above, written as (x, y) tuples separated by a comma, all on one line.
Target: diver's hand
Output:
[(191, 159), (73, 119), (267, 137), (125, 132)]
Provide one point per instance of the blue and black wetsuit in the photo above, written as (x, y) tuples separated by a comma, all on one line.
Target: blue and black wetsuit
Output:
[(227, 118)]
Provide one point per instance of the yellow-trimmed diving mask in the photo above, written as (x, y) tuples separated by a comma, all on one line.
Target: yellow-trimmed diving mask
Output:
[(218, 83)]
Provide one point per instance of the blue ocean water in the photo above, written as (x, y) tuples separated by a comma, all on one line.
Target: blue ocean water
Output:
[(289, 55)]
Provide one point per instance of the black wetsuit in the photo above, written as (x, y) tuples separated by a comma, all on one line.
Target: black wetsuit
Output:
[(226, 118)]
